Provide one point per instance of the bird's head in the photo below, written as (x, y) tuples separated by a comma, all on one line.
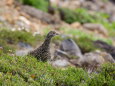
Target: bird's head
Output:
[(52, 34)]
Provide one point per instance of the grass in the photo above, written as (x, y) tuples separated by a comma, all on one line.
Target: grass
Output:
[(77, 33), (84, 40), (39, 4), (29, 71), (26, 70), (9, 39), (82, 15)]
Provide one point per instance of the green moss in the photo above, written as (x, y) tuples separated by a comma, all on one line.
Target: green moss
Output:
[(28, 71)]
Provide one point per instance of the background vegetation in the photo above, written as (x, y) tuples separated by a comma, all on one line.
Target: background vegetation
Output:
[(40, 4), (28, 71)]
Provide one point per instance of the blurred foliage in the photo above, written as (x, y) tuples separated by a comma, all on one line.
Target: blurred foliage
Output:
[(40, 4), (77, 33), (84, 40), (110, 27), (28, 71), (85, 44), (80, 15), (13, 37), (16, 71), (9, 39), (105, 76)]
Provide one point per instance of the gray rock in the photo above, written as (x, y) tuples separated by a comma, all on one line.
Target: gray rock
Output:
[(96, 27), (93, 59), (105, 46), (97, 58), (24, 48), (71, 48), (59, 54), (23, 52), (60, 63), (43, 16)]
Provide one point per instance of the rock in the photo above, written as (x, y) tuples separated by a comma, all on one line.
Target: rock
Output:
[(43, 16), (98, 58), (113, 1), (68, 50), (112, 17), (22, 52), (92, 60), (1, 48), (24, 45), (71, 48), (96, 27), (68, 4), (2, 19), (75, 62), (108, 48), (24, 19), (76, 25), (59, 54), (23, 49), (10, 2), (60, 63)]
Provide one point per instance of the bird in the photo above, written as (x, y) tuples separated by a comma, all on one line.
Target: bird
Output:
[(42, 53)]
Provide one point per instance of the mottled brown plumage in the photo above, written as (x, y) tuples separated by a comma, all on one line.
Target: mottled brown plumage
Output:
[(42, 53)]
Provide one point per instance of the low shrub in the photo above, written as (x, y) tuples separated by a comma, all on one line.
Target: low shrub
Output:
[(105, 76), (79, 15), (9, 39), (40, 4), (85, 44), (28, 71)]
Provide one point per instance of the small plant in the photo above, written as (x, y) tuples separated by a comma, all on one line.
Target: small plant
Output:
[(9, 39), (104, 77), (79, 15), (40, 4), (85, 44), (29, 71)]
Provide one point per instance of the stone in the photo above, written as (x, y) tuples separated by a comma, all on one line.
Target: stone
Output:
[(105, 46), (76, 25), (71, 48), (10, 2), (43, 16), (95, 58), (96, 27), (98, 57), (92, 60), (60, 63)]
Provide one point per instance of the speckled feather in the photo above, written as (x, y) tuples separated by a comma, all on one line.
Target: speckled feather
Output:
[(42, 53)]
